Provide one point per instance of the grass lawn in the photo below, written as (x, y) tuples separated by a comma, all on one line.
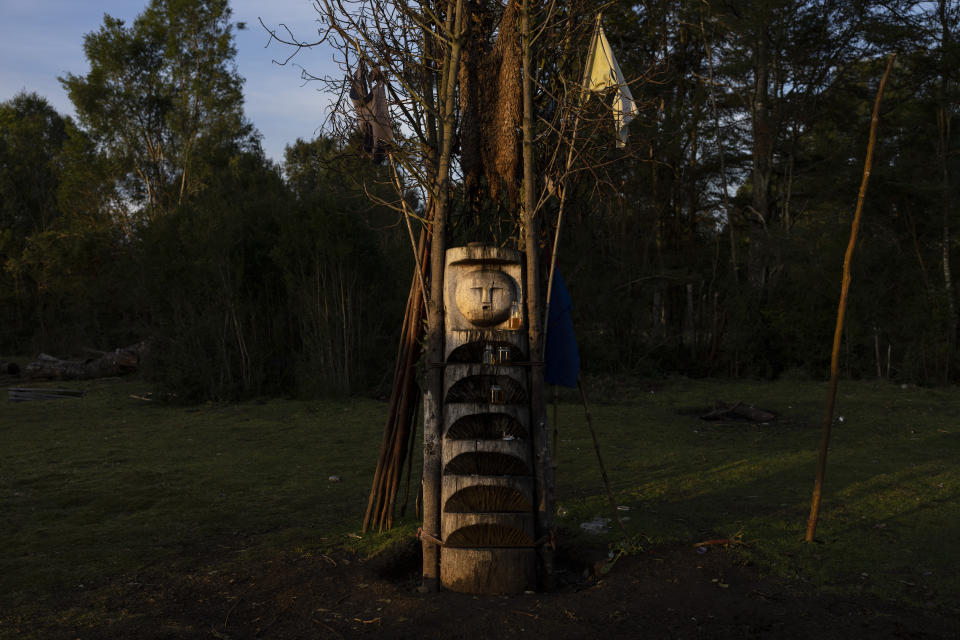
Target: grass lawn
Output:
[(99, 488), (890, 519)]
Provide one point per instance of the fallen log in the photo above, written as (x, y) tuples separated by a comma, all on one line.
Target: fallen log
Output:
[(114, 363), (738, 411)]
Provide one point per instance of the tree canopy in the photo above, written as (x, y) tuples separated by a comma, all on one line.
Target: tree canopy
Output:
[(710, 245), (163, 97)]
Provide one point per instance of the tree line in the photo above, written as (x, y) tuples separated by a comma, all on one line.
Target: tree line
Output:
[(711, 245), (721, 241), (155, 215)]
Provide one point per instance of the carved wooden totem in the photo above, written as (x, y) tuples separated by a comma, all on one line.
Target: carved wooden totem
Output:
[(487, 513)]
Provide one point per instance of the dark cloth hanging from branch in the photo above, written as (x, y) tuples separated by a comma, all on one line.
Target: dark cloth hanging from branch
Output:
[(562, 366), (369, 96)]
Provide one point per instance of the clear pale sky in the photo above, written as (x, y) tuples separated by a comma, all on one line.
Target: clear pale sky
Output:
[(43, 39)]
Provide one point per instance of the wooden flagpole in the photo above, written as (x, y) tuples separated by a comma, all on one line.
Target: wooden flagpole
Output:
[(841, 312)]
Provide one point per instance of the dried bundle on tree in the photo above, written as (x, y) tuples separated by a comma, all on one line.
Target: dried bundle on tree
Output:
[(491, 102)]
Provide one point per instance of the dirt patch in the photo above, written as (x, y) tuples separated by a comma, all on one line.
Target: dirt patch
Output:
[(671, 592)]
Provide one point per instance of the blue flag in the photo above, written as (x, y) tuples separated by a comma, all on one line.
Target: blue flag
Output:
[(562, 366)]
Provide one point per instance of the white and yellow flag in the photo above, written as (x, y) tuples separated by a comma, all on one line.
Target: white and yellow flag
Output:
[(602, 72)]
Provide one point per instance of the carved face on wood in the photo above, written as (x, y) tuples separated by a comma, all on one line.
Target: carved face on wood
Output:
[(484, 296)]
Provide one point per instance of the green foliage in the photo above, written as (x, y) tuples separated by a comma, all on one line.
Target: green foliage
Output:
[(163, 98), (213, 301), (695, 286), (335, 251), (250, 290), (32, 134), (88, 189)]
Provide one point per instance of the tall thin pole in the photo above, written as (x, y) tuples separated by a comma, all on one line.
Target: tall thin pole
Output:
[(563, 183), (841, 312), (540, 436)]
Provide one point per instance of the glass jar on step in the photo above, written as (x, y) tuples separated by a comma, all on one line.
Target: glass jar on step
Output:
[(488, 355), (516, 317)]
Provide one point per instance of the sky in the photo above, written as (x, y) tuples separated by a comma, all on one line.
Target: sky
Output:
[(43, 39)]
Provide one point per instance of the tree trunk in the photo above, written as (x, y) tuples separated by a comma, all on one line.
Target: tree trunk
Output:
[(944, 117), (734, 268), (433, 394), (948, 287), (763, 141)]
